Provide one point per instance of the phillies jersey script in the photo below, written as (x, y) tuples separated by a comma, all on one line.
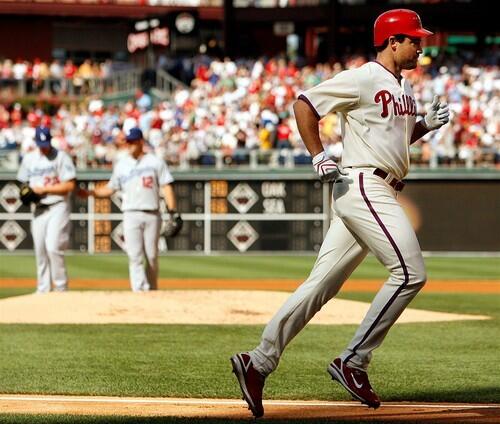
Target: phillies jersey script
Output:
[(140, 181), (39, 170), (377, 116)]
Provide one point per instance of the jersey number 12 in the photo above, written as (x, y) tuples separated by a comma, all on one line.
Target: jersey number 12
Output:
[(147, 182)]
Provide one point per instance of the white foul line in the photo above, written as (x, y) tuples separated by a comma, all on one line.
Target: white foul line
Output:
[(202, 402)]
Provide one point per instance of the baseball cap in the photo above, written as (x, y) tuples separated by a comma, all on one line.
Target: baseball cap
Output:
[(133, 134), (42, 136)]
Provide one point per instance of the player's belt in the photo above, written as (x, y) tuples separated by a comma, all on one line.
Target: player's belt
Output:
[(143, 210), (393, 182), (43, 206)]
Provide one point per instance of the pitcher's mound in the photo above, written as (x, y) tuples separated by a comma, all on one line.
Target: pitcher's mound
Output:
[(183, 307)]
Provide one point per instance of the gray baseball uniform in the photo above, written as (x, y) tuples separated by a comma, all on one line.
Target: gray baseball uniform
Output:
[(377, 114), (140, 182), (50, 225)]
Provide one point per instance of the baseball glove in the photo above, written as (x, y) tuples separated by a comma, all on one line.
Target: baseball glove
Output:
[(173, 224), (27, 195)]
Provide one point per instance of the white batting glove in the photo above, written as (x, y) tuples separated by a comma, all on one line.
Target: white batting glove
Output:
[(437, 116), (326, 168)]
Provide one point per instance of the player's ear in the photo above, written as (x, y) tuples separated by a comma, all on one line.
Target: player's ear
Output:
[(392, 43)]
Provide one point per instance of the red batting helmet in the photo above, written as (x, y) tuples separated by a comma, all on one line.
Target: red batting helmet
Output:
[(397, 21)]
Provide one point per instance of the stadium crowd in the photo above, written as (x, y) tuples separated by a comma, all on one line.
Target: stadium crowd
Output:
[(237, 110), (56, 77)]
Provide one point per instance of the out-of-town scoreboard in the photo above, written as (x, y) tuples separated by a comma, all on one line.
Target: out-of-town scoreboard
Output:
[(245, 211), (219, 215)]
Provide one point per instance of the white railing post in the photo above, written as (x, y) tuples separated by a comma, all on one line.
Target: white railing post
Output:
[(254, 162), (274, 159), (289, 162), (469, 160), (433, 160), (183, 162), (218, 159)]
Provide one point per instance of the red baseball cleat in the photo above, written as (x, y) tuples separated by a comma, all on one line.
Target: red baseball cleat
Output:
[(355, 381), (251, 382)]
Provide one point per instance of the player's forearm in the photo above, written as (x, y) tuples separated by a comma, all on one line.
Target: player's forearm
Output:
[(169, 195), (101, 191), (418, 132), (307, 123), (61, 189)]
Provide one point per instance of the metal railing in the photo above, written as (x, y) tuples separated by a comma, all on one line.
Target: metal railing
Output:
[(118, 83), (166, 84), (126, 81), (254, 159)]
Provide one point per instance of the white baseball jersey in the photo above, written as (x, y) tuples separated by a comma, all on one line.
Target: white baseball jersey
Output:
[(140, 181), (39, 170), (377, 113), (377, 116)]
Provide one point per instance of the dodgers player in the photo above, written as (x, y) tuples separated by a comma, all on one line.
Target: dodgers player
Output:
[(377, 112), (51, 174), (140, 176)]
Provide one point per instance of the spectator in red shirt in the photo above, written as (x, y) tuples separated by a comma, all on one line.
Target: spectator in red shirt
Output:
[(16, 116), (283, 135), (69, 69), (33, 118), (4, 117)]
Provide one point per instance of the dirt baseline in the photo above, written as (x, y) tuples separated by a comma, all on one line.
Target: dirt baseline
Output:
[(236, 410), (432, 286)]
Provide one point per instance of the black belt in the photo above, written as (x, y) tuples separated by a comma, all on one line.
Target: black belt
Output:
[(143, 210), (43, 206), (394, 182)]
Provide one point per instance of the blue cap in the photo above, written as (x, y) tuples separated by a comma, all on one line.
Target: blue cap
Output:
[(134, 134), (42, 136)]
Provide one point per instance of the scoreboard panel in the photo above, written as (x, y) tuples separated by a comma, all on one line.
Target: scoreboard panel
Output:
[(266, 197), (266, 212), (219, 215), (266, 215), (266, 235)]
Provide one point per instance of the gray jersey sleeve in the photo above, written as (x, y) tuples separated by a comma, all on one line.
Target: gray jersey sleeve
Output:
[(67, 169), (164, 175), (23, 172), (114, 182)]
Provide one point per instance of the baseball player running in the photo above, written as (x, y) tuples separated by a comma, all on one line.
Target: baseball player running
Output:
[(141, 177), (50, 174), (377, 112)]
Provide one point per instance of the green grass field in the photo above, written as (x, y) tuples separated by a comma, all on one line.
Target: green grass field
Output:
[(246, 267), (436, 362), (192, 361)]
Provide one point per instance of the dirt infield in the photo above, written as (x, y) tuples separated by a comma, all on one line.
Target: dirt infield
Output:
[(235, 307), (433, 286), (236, 410)]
